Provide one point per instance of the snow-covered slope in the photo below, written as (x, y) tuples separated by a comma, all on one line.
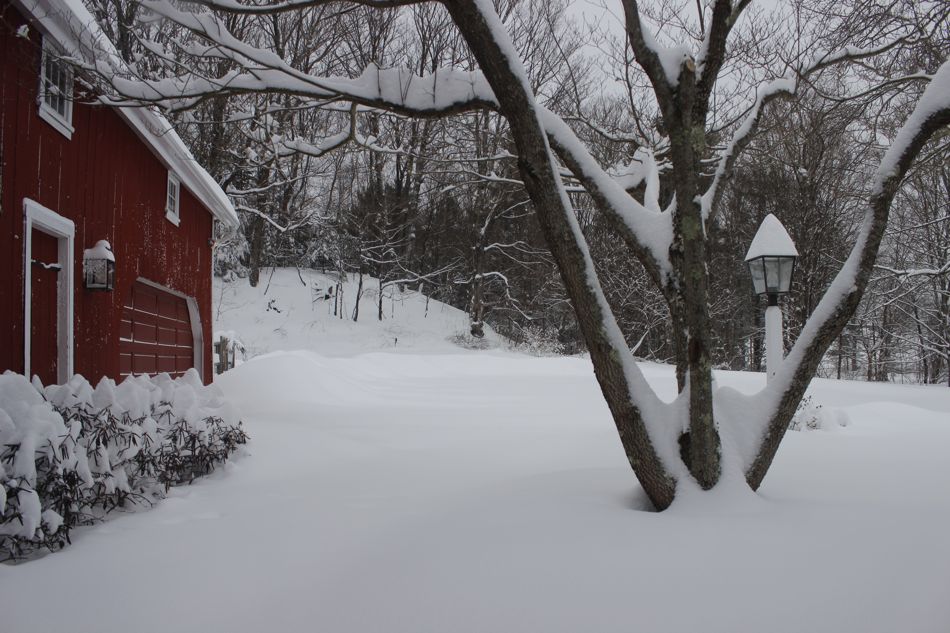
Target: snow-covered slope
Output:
[(291, 310)]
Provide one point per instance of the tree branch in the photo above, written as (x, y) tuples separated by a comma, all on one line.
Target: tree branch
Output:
[(839, 302)]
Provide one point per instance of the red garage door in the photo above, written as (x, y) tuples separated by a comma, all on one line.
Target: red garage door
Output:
[(156, 333)]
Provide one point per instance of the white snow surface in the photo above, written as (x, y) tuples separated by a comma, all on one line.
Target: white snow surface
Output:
[(426, 488), (284, 313), (771, 239), (437, 489)]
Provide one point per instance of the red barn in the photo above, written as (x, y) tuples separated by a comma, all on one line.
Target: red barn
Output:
[(72, 174)]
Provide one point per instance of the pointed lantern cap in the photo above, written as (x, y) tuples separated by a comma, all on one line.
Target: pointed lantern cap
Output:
[(771, 240), (771, 259)]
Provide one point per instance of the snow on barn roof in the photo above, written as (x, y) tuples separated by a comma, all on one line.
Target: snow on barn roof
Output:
[(771, 239), (75, 30)]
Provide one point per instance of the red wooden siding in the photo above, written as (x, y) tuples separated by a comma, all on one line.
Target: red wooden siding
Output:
[(113, 187)]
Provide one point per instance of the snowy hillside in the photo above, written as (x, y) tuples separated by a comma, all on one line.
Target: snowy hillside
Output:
[(294, 310)]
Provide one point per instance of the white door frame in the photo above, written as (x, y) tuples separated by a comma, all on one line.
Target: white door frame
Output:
[(37, 216), (197, 334)]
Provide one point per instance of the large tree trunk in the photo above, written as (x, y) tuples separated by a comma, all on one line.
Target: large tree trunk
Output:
[(701, 445), (558, 224), (255, 251)]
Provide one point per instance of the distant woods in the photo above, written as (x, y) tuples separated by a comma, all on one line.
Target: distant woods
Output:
[(437, 204)]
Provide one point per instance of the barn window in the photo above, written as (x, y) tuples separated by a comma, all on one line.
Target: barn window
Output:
[(172, 199), (56, 91)]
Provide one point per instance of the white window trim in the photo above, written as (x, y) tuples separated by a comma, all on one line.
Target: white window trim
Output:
[(36, 215), (173, 215), (194, 316), (63, 125)]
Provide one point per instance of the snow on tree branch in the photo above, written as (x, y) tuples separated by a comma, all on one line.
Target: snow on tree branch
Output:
[(780, 88), (441, 92), (650, 230), (906, 273), (234, 6)]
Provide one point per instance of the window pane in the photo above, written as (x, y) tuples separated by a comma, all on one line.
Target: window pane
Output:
[(172, 201), (62, 89), (57, 86)]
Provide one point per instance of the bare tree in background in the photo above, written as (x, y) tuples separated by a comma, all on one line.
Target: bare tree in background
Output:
[(697, 128)]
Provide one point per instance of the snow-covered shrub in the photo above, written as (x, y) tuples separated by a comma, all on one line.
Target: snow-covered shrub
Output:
[(811, 416), (71, 453), (467, 341), (540, 341)]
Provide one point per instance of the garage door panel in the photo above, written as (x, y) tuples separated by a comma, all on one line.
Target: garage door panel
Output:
[(168, 363), (167, 335), (125, 363), (144, 332), (168, 308), (184, 338), (125, 329), (144, 301), (156, 334), (144, 363)]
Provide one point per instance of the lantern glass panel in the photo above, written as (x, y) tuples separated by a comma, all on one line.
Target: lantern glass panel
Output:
[(95, 273), (757, 270), (771, 274), (100, 274), (786, 266)]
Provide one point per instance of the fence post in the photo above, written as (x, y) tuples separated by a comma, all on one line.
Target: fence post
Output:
[(223, 364)]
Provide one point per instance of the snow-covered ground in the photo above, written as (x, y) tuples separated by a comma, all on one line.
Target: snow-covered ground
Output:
[(443, 490)]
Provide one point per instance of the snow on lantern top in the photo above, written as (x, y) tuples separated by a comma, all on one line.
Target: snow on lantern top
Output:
[(99, 265), (771, 259), (771, 240), (102, 250)]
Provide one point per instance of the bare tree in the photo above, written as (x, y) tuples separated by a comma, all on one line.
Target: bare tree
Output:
[(706, 434)]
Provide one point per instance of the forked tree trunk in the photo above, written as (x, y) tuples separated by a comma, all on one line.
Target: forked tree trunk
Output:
[(687, 293), (555, 217)]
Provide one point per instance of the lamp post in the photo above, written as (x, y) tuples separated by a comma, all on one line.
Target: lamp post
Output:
[(771, 260)]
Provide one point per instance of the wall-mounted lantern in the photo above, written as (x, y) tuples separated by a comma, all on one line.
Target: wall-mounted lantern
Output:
[(98, 265)]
